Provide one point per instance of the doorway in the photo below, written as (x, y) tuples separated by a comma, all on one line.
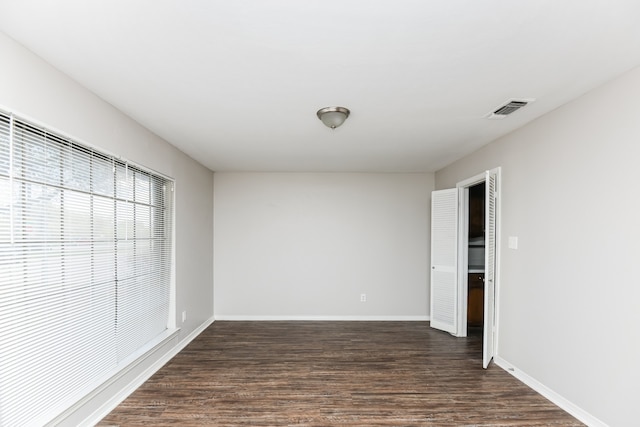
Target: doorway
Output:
[(475, 217), (464, 258)]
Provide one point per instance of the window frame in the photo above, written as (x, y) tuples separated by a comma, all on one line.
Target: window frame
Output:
[(160, 213)]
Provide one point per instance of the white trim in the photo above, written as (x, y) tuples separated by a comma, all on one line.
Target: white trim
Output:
[(476, 179), (463, 261), (173, 285), (241, 317), (554, 397), (110, 404), (62, 411)]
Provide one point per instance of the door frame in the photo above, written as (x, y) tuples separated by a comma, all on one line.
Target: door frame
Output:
[(463, 243)]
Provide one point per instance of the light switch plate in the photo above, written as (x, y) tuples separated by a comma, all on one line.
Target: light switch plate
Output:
[(513, 242)]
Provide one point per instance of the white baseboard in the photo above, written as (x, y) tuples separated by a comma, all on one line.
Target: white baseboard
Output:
[(236, 317), (554, 397), (111, 403)]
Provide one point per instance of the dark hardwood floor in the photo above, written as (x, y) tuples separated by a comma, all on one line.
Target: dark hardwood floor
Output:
[(333, 373)]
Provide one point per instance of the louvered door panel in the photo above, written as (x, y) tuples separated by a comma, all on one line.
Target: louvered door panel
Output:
[(489, 283), (444, 227)]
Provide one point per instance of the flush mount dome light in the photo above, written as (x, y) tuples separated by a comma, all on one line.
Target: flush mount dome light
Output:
[(333, 116)]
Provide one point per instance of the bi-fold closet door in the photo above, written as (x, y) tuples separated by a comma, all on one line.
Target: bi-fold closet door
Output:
[(445, 289), (444, 260)]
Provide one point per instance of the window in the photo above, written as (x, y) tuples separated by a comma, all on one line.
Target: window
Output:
[(85, 268)]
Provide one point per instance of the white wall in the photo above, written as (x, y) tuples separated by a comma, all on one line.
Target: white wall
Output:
[(305, 246), (569, 313), (32, 88)]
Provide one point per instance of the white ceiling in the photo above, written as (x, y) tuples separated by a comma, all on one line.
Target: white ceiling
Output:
[(236, 84)]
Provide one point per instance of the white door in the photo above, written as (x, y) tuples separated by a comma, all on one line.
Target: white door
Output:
[(444, 256), (489, 275)]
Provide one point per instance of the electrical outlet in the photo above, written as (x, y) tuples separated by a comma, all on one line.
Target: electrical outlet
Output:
[(184, 316), (363, 297)]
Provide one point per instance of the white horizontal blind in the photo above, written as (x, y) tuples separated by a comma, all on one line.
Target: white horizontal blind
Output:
[(84, 268)]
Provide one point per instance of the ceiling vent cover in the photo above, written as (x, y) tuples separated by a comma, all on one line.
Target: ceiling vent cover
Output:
[(511, 106)]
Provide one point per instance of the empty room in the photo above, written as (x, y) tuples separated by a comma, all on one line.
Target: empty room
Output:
[(353, 213)]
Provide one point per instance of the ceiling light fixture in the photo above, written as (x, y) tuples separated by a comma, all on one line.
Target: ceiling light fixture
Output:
[(333, 116)]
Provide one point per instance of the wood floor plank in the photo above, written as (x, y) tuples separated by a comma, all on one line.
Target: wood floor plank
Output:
[(333, 373)]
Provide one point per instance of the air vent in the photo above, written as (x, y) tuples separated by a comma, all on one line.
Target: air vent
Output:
[(509, 107)]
